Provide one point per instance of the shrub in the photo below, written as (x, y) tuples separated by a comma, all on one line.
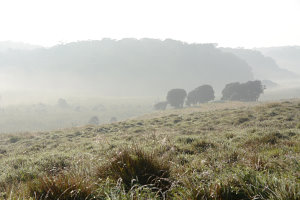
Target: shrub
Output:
[(161, 105), (136, 166)]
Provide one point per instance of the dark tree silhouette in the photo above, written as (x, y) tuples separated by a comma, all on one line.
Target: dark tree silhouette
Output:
[(249, 91), (62, 103), (176, 97), (230, 90), (94, 120), (161, 105), (201, 94), (192, 98)]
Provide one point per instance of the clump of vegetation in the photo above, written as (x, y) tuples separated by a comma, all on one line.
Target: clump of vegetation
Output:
[(61, 186), (14, 139), (134, 166), (249, 91)]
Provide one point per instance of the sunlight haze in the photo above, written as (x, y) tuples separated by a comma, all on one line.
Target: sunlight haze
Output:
[(231, 23)]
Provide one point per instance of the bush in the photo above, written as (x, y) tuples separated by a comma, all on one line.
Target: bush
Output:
[(134, 166), (161, 105)]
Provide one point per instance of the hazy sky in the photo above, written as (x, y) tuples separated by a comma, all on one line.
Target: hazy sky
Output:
[(235, 23)]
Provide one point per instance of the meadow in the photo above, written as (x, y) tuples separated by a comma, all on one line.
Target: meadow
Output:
[(228, 150), (48, 115)]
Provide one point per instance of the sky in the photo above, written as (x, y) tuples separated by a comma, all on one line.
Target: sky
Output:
[(230, 23)]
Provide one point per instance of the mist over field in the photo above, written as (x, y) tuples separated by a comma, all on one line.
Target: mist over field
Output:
[(33, 78), (131, 67)]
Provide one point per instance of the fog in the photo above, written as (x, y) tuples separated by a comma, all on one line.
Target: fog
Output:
[(124, 57), (124, 78)]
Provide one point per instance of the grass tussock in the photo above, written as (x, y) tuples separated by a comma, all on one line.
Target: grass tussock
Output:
[(62, 186), (134, 166)]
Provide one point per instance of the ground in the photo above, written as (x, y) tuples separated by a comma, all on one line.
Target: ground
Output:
[(214, 151)]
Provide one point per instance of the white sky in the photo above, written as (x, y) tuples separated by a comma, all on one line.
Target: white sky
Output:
[(235, 23)]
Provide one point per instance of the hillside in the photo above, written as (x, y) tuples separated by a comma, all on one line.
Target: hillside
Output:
[(287, 57), (127, 67), (215, 151), (263, 67), (9, 46)]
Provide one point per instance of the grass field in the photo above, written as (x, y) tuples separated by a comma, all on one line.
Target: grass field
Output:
[(214, 151), (50, 116)]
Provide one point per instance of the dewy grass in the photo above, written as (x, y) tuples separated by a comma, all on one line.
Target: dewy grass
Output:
[(134, 166), (61, 186), (204, 155)]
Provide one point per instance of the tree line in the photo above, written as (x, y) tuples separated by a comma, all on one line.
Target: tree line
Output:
[(249, 91)]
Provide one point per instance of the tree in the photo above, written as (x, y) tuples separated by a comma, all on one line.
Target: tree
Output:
[(94, 120), (62, 103), (176, 97), (161, 105), (230, 90), (201, 94), (249, 91)]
